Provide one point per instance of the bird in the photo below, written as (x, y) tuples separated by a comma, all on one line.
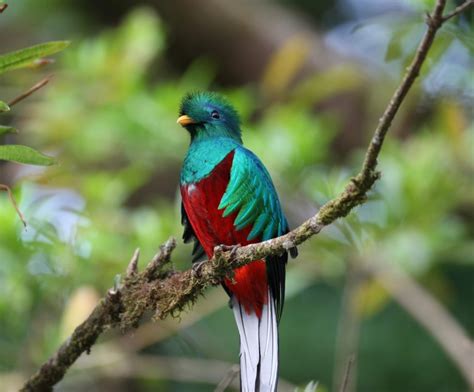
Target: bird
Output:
[(228, 198)]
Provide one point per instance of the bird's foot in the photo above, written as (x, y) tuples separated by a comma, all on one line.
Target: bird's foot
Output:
[(230, 248), (196, 269)]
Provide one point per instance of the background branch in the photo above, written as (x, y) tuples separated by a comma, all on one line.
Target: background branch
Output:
[(166, 292), (31, 90), (13, 201), (182, 369), (429, 313), (348, 331)]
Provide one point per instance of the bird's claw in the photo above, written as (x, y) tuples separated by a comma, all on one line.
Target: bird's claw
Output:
[(197, 268), (230, 248)]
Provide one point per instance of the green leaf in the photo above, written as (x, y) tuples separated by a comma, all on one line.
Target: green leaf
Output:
[(4, 107), (4, 129), (26, 155), (463, 36), (24, 57), (394, 49), (397, 44)]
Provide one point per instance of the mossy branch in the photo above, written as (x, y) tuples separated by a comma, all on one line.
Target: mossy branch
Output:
[(163, 291)]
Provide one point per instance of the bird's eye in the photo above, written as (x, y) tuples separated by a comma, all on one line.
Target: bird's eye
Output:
[(215, 114)]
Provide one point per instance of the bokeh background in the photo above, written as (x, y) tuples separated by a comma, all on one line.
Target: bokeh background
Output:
[(391, 286)]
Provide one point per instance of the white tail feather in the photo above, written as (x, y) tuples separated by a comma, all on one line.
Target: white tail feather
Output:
[(258, 347)]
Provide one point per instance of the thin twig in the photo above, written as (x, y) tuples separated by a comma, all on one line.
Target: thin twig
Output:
[(228, 379), (133, 265), (30, 91), (170, 293), (3, 7), (458, 10), (347, 374), (434, 22), (348, 329), (159, 260), (6, 188)]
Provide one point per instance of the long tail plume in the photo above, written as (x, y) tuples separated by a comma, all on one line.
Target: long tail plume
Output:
[(258, 347)]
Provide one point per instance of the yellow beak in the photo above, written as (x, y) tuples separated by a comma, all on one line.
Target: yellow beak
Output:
[(185, 120)]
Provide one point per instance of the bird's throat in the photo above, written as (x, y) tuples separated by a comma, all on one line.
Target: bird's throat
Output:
[(203, 156)]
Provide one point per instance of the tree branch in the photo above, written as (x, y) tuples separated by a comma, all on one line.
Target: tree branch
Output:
[(167, 292), (105, 315)]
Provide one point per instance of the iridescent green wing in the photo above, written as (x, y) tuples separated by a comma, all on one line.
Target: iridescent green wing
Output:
[(251, 193)]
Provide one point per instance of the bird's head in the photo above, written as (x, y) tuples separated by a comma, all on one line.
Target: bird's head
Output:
[(206, 114)]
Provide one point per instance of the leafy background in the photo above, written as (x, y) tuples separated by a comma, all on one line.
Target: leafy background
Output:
[(109, 118)]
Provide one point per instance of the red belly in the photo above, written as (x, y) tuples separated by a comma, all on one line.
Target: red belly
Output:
[(201, 201)]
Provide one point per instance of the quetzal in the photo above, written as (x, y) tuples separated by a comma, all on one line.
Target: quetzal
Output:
[(228, 198)]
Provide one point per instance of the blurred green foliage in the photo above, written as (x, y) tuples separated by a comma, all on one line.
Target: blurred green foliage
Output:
[(22, 58), (110, 120)]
